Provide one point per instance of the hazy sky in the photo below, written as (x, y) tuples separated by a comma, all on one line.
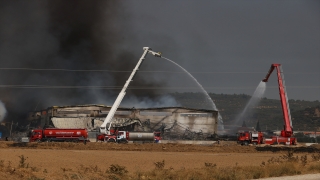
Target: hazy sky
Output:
[(229, 45)]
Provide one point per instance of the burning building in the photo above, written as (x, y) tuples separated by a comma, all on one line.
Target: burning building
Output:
[(173, 122)]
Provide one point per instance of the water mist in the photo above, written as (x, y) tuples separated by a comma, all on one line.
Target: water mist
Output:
[(254, 100), (208, 98)]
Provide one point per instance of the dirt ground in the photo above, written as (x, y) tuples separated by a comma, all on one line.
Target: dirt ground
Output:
[(49, 159)]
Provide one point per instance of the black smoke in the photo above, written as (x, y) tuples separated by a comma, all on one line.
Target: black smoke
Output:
[(59, 34)]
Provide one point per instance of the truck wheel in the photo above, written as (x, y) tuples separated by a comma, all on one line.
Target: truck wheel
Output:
[(38, 140), (111, 140), (123, 141), (246, 143), (254, 143)]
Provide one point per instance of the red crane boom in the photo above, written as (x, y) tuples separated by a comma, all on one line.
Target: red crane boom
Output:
[(287, 131)]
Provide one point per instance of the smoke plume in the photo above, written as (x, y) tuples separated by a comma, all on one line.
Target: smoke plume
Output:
[(3, 111), (74, 34)]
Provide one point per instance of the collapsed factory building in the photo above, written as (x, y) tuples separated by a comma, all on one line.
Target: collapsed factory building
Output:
[(174, 123)]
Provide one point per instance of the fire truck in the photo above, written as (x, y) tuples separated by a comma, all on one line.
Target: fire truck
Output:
[(59, 135), (126, 136), (286, 136), (250, 137), (106, 133)]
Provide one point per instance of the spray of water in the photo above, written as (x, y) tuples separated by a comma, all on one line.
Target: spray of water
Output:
[(208, 98), (254, 100), (3, 111)]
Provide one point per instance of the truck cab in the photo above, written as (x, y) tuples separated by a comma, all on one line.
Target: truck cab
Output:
[(157, 137), (36, 135), (250, 137), (122, 137), (116, 136)]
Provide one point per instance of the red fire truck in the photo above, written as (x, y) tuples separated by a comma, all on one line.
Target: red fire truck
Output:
[(60, 135), (250, 137), (286, 136)]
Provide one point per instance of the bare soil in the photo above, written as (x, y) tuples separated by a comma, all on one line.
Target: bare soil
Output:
[(50, 160)]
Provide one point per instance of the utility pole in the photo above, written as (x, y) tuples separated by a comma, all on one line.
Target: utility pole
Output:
[(11, 128), (315, 135)]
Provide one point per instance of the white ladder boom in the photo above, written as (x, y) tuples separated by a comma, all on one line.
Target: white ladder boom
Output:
[(103, 128)]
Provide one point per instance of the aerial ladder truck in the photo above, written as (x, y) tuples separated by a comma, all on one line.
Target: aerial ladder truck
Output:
[(105, 128), (286, 136)]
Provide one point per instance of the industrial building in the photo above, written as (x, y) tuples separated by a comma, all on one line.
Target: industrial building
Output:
[(173, 122)]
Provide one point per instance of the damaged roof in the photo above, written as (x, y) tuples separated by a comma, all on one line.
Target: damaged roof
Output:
[(126, 108)]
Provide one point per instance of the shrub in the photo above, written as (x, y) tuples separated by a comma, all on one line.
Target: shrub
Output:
[(117, 169), (274, 161), (210, 165), (290, 157), (277, 170), (228, 173), (90, 169), (315, 157), (22, 162), (1, 163), (314, 167), (35, 178), (65, 169), (34, 169), (303, 160), (160, 164)]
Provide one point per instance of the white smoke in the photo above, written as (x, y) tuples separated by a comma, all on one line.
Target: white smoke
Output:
[(145, 102), (130, 101), (3, 111)]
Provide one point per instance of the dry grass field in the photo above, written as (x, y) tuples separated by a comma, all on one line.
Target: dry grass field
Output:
[(48, 161)]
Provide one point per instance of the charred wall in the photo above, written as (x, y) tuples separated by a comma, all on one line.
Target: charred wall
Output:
[(173, 122)]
